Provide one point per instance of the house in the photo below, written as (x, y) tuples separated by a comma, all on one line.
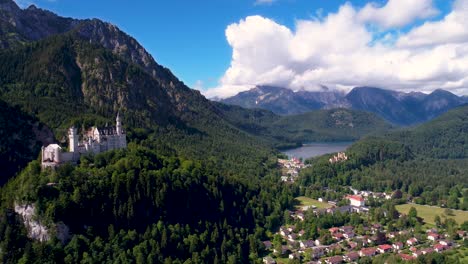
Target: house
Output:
[(267, 244), (461, 234), (412, 241), (347, 229), (384, 248), (439, 247), (433, 236), (351, 257), (367, 252), (333, 230), (318, 252), (300, 216), (406, 257), (391, 235), (356, 200), (376, 227), (427, 250), (338, 236), (349, 235), (398, 246), (292, 237), (294, 256), (417, 253), (284, 250), (445, 242), (307, 244), (284, 231), (269, 260), (334, 260), (352, 244)]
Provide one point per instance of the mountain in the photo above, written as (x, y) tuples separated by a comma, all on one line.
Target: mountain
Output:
[(285, 101), (291, 130), (88, 73), (191, 186), (21, 137), (396, 107)]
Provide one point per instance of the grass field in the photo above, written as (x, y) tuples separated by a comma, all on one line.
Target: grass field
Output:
[(429, 212), (306, 201)]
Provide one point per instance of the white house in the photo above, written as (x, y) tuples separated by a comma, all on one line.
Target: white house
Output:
[(356, 200)]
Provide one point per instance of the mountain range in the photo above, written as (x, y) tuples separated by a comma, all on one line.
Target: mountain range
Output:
[(64, 71), (396, 107)]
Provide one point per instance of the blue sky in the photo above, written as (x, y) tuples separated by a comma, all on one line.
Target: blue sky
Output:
[(189, 37)]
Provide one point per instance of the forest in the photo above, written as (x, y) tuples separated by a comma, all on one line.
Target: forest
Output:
[(135, 205)]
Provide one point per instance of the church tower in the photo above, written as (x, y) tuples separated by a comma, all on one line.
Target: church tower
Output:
[(72, 140), (118, 125)]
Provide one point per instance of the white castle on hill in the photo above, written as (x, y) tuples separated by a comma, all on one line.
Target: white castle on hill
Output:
[(95, 140)]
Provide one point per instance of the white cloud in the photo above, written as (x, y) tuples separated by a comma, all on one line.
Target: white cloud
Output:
[(343, 50), (397, 13)]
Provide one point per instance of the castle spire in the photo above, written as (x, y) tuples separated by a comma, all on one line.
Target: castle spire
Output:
[(118, 125)]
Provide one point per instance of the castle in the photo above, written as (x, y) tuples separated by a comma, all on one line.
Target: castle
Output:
[(95, 140), (341, 156)]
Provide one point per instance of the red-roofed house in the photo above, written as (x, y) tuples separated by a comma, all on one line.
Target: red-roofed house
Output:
[(446, 242), (384, 248), (398, 246), (433, 236), (439, 247), (367, 252), (351, 256), (412, 241), (334, 260), (338, 236), (356, 200), (333, 230), (406, 257), (427, 250)]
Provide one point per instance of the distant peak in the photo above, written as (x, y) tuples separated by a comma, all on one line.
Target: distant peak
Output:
[(9, 5), (32, 7)]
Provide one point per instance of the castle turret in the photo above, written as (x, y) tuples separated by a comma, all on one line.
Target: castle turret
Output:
[(72, 140), (118, 125)]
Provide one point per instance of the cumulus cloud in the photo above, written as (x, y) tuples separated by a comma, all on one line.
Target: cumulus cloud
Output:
[(341, 50), (397, 13)]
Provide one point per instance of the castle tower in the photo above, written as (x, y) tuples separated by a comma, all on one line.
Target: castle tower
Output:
[(118, 125), (72, 140)]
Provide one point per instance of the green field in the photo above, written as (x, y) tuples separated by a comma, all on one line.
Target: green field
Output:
[(306, 201), (429, 212)]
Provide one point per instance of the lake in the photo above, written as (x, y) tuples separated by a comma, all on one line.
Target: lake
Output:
[(317, 149)]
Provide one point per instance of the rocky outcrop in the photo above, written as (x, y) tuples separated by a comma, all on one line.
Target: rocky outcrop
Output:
[(36, 229)]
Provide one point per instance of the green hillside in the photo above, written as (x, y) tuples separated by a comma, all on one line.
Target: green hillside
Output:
[(320, 125), (428, 162), (136, 205)]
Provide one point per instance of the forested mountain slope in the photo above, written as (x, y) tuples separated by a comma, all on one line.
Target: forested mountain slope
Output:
[(429, 162)]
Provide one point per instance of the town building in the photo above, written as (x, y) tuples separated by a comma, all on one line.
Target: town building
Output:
[(356, 200)]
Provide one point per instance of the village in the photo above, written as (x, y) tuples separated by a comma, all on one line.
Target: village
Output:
[(331, 232)]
